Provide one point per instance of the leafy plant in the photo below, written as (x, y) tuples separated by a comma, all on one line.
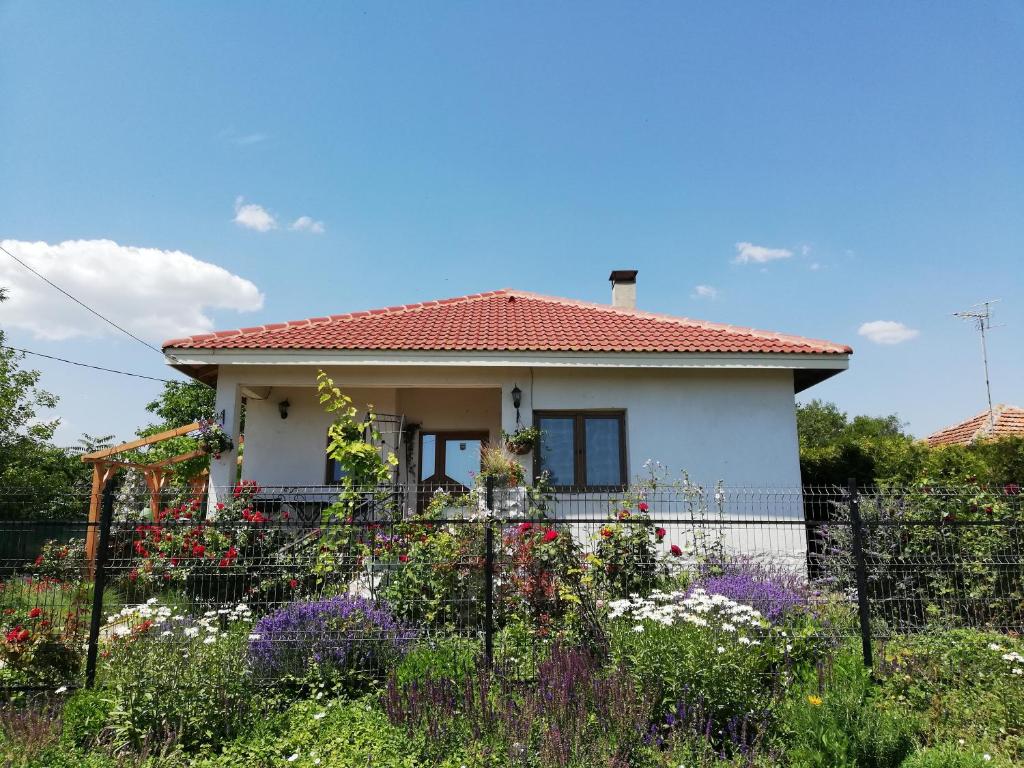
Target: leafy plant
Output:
[(345, 641), (523, 440), (497, 463)]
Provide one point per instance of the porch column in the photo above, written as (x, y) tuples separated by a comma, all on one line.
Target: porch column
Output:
[(228, 412), (508, 412)]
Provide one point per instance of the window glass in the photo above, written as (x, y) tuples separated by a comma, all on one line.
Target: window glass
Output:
[(557, 449), (462, 460), (602, 443), (427, 453)]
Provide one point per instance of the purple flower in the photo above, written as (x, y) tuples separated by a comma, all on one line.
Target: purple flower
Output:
[(772, 591), (343, 634)]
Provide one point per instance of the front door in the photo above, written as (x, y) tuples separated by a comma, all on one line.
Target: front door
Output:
[(449, 461)]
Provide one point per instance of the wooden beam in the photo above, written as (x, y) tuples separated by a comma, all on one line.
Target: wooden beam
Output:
[(166, 435)]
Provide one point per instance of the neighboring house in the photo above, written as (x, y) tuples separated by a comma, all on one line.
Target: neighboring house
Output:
[(609, 385), (1004, 421)]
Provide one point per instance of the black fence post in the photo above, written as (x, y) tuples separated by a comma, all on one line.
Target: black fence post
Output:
[(861, 569), (489, 574), (99, 584)]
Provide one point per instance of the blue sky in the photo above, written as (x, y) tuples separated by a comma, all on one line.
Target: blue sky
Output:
[(448, 148)]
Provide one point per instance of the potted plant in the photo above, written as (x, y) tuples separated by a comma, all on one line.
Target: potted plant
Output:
[(499, 465), (522, 441), (213, 439)]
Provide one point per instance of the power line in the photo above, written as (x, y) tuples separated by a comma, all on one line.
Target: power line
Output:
[(83, 305), (86, 365)]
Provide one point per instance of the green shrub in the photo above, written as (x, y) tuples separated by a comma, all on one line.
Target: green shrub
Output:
[(438, 657), (836, 721), (189, 686), (336, 733), (84, 716), (707, 650), (955, 756), (964, 681)]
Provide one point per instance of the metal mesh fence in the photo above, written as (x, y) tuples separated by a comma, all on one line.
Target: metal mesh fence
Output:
[(301, 575)]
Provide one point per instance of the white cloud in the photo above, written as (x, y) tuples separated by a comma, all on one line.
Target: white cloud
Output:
[(704, 292), (250, 138), (253, 216), (887, 332), (747, 253), (306, 224), (815, 266), (805, 250), (155, 294)]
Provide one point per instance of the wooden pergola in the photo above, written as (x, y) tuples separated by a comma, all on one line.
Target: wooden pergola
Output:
[(106, 462)]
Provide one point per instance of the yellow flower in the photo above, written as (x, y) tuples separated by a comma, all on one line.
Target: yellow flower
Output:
[(815, 700)]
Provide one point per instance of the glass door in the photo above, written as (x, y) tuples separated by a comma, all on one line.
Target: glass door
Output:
[(449, 461)]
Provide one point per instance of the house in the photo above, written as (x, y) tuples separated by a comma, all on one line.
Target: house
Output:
[(610, 386), (1003, 421)]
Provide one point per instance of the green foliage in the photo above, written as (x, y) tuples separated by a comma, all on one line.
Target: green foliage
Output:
[(192, 693), (438, 657), (955, 755), (180, 403), (963, 681), (834, 448), (85, 716), (338, 734), (834, 720), (498, 464)]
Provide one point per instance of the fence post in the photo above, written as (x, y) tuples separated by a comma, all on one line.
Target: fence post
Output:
[(489, 573), (99, 584), (861, 569)]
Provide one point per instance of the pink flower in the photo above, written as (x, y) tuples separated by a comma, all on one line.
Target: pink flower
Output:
[(642, 506)]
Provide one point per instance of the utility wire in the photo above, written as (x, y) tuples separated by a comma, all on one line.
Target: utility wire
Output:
[(83, 305), (84, 365)]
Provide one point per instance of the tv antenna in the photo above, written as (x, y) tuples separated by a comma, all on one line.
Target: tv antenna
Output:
[(981, 316)]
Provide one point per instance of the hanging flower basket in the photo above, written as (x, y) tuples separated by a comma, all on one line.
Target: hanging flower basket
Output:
[(213, 439), (522, 441)]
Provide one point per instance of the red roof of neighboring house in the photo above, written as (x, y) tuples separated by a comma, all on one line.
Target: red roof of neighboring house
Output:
[(508, 320), (1009, 420)]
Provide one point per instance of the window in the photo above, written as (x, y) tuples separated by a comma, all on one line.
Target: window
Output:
[(582, 449)]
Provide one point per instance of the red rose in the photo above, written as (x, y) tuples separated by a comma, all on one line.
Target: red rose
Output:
[(524, 527), (642, 506), (35, 613), (39, 560), (198, 550), (134, 575), (606, 533), (660, 533), (403, 558), (550, 535), (676, 550), (293, 583), (23, 636)]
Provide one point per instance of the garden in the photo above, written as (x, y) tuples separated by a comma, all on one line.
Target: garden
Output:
[(483, 633)]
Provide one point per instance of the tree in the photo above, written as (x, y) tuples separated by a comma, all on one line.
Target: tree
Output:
[(35, 475), (180, 403)]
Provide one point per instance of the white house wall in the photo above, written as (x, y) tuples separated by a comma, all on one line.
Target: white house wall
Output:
[(735, 426)]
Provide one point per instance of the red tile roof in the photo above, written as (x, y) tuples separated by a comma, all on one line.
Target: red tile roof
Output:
[(1009, 420), (508, 320)]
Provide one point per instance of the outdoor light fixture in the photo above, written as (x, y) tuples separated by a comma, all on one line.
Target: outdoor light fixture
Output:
[(283, 407), (517, 399)]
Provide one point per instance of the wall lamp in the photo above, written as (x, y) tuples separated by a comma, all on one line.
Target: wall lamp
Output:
[(517, 399), (283, 407)]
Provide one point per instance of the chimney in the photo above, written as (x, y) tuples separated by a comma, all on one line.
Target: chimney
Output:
[(623, 288)]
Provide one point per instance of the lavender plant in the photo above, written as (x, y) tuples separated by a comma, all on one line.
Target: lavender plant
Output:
[(772, 589), (345, 641)]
